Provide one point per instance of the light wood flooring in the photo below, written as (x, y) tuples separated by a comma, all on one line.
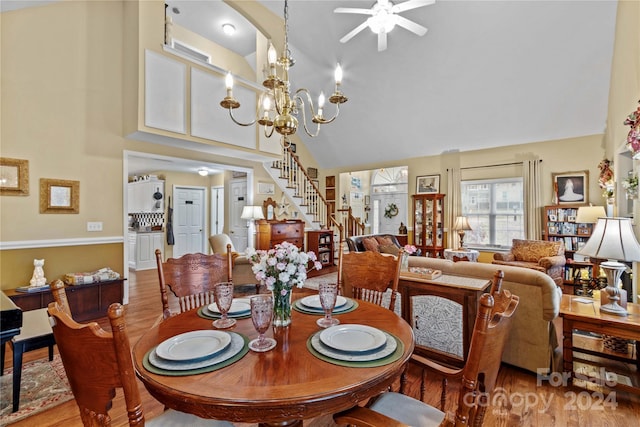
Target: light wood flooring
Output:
[(518, 402)]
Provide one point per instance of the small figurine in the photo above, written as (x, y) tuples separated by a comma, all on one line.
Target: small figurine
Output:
[(402, 229), (38, 278)]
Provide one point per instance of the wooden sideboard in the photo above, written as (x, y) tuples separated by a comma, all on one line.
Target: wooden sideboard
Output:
[(88, 302), (270, 233)]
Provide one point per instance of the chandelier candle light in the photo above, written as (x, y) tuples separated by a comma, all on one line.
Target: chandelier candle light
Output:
[(613, 239), (279, 107)]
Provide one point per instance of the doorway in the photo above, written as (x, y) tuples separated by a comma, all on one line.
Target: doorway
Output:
[(189, 226)]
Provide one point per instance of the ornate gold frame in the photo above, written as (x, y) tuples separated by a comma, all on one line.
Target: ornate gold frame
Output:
[(59, 196), (16, 171)]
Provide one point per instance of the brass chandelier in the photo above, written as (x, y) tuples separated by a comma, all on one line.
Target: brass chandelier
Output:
[(277, 108)]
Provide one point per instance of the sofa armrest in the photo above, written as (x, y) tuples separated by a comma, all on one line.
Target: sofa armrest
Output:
[(552, 261), (504, 256)]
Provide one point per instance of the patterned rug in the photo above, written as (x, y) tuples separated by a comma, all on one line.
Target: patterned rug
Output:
[(312, 282), (44, 385)]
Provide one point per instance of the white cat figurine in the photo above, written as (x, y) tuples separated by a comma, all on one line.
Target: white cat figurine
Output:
[(38, 278)]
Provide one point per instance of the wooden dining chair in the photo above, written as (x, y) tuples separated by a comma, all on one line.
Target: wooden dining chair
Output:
[(368, 276), (478, 376), (97, 362), (192, 278)]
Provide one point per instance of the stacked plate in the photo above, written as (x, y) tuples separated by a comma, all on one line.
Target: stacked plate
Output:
[(311, 305), (196, 349), (354, 343), (240, 309)]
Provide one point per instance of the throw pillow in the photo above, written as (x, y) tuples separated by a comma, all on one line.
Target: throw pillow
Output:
[(389, 249), (370, 244), (384, 240)]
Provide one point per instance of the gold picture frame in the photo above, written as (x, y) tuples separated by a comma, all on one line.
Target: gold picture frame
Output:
[(14, 177), (59, 196)]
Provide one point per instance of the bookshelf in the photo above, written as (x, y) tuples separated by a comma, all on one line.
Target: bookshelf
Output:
[(560, 225)]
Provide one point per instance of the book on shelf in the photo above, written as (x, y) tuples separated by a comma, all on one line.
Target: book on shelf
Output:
[(30, 289)]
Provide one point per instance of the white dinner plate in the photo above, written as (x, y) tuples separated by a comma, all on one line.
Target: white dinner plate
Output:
[(313, 301), (238, 306), (235, 347), (353, 338), (338, 310), (390, 346), (193, 345)]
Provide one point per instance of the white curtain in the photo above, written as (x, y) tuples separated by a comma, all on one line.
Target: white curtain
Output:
[(454, 204), (532, 177)]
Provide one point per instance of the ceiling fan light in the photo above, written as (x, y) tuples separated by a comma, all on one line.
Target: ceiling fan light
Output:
[(382, 22)]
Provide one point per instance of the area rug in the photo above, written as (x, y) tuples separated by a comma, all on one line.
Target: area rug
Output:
[(44, 385)]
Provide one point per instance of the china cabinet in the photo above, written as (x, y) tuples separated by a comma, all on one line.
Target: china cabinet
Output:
[(428, 224)]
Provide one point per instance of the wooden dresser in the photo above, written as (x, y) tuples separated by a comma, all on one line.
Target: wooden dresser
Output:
[(270, 233)]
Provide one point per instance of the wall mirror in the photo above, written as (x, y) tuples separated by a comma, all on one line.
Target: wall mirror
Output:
[(269, 207), (14, 177), (58, 196)]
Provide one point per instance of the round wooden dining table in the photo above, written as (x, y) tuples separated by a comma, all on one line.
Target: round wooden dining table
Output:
[(280, 387)]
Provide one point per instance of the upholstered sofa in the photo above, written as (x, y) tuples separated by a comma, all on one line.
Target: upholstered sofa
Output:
[(542, 255), (357, 243), (532, 342), (242, 273)]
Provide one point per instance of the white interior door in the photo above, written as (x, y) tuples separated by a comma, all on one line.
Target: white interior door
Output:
[(237, 226), (188, 214)]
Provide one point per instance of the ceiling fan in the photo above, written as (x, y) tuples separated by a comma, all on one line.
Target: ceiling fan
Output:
[(384, 17)]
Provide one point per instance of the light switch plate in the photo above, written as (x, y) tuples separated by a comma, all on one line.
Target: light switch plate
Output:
[(94, 226)]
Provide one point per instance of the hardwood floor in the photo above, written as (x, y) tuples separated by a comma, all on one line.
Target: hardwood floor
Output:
[(519, 401)]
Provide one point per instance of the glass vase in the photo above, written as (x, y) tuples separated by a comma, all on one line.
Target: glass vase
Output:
[(281, 306)]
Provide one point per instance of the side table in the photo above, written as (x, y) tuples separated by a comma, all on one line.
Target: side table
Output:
[(461, 255)]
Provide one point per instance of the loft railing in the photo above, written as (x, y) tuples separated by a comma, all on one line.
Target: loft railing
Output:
[(353, 225)]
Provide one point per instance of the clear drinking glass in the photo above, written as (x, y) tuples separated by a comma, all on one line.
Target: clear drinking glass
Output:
[(261, 314), (223, 293), (328, 293)]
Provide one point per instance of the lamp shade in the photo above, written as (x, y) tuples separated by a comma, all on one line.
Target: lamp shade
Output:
[(252, 212), (462, 223), (612, 239), (590, 214)]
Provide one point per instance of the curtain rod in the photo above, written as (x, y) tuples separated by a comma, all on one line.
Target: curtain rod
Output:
[(495, 166)]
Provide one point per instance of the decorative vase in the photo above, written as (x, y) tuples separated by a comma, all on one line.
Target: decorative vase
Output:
[(281, 306), (404, 262)]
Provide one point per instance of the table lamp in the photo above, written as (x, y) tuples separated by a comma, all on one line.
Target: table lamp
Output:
[(612, 239), (590, 214), (461, 224), (251, 214)]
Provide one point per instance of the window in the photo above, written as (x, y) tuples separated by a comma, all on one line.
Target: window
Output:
[(495, 211)]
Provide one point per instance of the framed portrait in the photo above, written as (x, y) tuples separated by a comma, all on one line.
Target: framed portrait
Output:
[(428, 184), (14, 177), (313, 173), (553, 217), (59, 196), (571, 187), (266, 188)]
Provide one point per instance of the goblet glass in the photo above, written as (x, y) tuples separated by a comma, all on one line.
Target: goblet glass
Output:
[(328, 293), (223, 294), (261, 314)]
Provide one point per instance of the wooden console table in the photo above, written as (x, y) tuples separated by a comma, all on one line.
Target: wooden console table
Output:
[(442, 313), (587, 351), (88, 302)]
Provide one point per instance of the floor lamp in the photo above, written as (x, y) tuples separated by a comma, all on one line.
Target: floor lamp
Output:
[(613, 239), (251, 214)]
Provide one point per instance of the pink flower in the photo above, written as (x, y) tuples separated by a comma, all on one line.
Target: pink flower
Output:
[(410, 249)]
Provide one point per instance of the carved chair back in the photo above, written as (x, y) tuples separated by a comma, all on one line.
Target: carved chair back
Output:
[(368, 275)]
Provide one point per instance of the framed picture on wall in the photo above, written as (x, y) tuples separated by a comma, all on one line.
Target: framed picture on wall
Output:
[(266, 188), (428, 184), (571, 187), (14, 177)]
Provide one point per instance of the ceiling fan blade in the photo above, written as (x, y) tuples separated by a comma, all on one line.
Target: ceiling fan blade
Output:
[(382, 41), (410, 25), (353, 32), (411, 4), (353, 10)]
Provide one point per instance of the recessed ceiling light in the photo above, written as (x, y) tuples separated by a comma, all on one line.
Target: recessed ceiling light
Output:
[(228, 29), (203, 172)]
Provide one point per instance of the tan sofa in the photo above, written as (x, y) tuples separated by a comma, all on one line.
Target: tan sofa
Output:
[(532, 342), (242, 273), (542, 255)]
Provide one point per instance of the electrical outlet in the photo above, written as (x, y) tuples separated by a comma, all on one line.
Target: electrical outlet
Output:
[(94, 226)]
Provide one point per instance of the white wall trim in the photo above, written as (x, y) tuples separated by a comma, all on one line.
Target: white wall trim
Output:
[(30, 244)]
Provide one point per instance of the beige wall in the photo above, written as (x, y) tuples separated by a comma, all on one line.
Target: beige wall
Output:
[(69, 96)]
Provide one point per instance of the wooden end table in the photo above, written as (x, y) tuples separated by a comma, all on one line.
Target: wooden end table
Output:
[(583, 314)]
